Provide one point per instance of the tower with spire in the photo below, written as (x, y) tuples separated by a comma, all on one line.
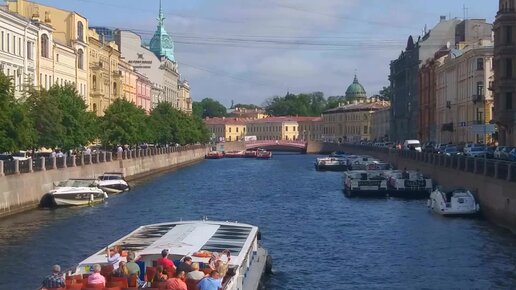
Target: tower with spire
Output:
[(161, 43)]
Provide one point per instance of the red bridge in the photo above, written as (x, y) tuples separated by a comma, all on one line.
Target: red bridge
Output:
[(297, 145)]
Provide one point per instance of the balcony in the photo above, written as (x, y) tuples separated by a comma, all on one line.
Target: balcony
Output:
[(478, 98)]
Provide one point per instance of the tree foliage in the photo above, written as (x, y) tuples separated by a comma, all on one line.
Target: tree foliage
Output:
[(208, 108), (124, 123), (247, 106), (386, 93), (312, 104)]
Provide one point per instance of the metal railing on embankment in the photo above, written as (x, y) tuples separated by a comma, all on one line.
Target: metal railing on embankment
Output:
[(504, 170), (11, 167)]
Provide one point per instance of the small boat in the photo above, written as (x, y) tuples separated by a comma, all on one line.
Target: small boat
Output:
[(234, 154), (409, 183), (458, 201), (113, 182), (214, 155), (368, 164), (74, 192), (331, 164), (237, 245), (250, 154), (364, 183), (263, 154), (339, 154)]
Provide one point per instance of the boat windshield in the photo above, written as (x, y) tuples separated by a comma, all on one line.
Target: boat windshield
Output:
[(76, 183), (110, 177)]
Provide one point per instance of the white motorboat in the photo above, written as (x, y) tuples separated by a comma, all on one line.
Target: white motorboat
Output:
[(365, 183), (453, 202), (331, 164), (74, 192), (247, 260), (113, 182), (408, 183)]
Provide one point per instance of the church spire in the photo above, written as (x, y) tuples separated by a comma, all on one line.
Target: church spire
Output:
[(161, 43), (161, 17)]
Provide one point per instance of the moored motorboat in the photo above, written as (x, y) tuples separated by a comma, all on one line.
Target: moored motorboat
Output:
[(214, 155), (250, 154), (339, 154), (244, 255), (263, 154), (331, 164), (74, 192), (234, 154), (458, 201), (364, 183), (113, 182), (408, 183)]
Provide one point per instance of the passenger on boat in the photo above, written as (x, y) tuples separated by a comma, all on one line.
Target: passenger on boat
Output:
[(132, 267), (160, 276), (186, 265), (405, 174), (195, 274), (165, 261), (122, 270), (55, 280), (222, 268), (177, 283), (114, 256), (211, 282), (96, 278)]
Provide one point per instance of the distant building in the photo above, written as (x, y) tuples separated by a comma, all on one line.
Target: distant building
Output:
[(350, 122), (275, 128), (310, 128), (226, 129), (356, 91), (380, 124), (504, 85), (243, 113), (105, 34), (143, 92)]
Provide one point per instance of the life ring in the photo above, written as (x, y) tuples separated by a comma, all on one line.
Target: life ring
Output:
[(202, 254)]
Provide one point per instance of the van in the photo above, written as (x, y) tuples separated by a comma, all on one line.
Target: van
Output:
[(412, 145)]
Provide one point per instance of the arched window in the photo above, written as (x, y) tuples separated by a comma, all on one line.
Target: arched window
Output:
[(94, 81), (80, 31), (114, 89), (44, 45), (95, 108), (80, 58)]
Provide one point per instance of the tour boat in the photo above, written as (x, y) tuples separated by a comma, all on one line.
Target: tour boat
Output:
[(113, 182), (364, 183), (368, 164), (263, 154), (234, 154), (247, 260), (409, 183), (339, 154), (250, 154), (214, 155), (331, 164), (453, 202), (74, 192)]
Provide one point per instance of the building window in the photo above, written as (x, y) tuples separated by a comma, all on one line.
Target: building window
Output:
[(508, 101), (94, 81), (286, 128), (115, 90), (29, 49), (508, 68), (95, 108), (19, 46), (8, 42), (80, 31), (480, 88), (80, 58), (237, 129), (14, 44), (44, 45), (508, 34), (480, 63), (229, 129)]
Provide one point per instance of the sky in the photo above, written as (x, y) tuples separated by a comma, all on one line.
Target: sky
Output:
[(247, 51)]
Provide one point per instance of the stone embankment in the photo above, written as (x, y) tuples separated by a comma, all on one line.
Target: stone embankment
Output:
[(21, 191)]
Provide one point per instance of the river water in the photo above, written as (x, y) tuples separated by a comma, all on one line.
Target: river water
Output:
[(318, 238)]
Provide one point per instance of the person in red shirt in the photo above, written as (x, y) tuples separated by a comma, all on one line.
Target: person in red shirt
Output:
[(165, 261), (177, 283)]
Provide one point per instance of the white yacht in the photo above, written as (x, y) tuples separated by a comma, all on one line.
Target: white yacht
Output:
[(364, 183), (408, 183), (331, 164), (113, 182), (453, 202), (74, 192), (247, 262)]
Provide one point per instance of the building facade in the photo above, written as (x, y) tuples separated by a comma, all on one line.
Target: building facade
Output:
[(310, 128), (129, 79), (380, 125), (143, 92), (18, 48), (274, 128), (184, 98), (462, 97), (226, 129), (62, 45), (350, 122), (243, 113), (504, 85)]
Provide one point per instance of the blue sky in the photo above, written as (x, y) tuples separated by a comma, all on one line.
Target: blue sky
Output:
[(248, 51)]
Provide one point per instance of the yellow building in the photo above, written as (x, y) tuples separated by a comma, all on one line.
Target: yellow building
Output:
[(351, 122), (62, 45), (256, 113), (310, 128), (129, 78), (105, 75), (380, 125), (274, 128), (226, 129), (184, 99)]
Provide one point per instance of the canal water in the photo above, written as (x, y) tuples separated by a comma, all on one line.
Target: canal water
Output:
[(318, 238)]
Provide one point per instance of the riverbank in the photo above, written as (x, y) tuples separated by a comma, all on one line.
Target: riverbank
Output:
[(22, 192)]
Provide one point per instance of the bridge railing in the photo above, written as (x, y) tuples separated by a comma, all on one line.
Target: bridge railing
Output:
[(496, 168)]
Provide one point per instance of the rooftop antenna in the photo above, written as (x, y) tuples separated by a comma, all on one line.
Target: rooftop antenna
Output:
[(465, 11)]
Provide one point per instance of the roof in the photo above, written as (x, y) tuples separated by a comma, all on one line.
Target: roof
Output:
[(356, 90), (281, 119), (224, 121), (367, 106)]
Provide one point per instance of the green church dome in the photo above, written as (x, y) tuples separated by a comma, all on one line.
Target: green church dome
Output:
[(356, 90), (161, 43)]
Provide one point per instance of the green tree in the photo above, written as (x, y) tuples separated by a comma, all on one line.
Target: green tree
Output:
[(47, 117), (16, 131), (312, 104), (209, 108), (334, 101), (124, 123), (386, 93), (247, 106)]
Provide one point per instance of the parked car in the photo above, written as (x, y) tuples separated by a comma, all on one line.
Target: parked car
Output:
[(451, 151), (429, 148), (21, 155), (504, 155), (497, 154), (6, 157), (490, 151), (476, 151), (511, 156), (467, 147), (440, 148), (412, 145)]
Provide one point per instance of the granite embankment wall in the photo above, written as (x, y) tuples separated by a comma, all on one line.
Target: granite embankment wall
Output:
[(19, 192), (493, 182)]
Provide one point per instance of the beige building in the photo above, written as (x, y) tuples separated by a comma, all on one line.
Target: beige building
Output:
[(105, 74), (310, 128), (463, 100), (274, 128), (129, 78), (184, 100), (226, 129), (350, 122), (380, 124), (62, 47), (257, 113)]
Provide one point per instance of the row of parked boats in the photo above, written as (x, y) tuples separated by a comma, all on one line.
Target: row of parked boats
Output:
[(85, 191), (366, 176), (258, 154)]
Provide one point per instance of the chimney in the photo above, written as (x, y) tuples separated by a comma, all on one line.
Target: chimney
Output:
[(442, 18)]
